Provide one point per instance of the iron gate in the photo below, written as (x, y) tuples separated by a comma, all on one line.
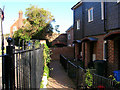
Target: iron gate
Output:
[(22, 69)]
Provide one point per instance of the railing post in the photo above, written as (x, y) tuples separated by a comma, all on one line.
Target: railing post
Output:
[(33, 67), (77, 77), (9, 67)]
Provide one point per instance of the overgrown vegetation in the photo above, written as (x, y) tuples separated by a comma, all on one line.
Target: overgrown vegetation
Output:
[(89, 78), (46, 54), (47, 59), (117, 85)]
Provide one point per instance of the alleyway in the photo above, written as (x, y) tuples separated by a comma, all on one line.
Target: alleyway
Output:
[(58, 78)]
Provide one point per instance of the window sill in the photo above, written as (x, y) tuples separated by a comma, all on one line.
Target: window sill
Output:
[(90, 21)]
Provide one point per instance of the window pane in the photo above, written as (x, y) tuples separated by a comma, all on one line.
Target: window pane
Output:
[(91, 14), (78, 24)]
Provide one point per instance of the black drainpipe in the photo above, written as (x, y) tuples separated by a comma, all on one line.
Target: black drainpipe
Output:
[(105, 15)]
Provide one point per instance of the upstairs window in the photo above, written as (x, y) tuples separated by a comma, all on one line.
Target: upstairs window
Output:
[(78, 24), (90, 15)]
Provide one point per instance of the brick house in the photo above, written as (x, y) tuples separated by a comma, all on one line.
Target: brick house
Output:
[(17, 24), (60, 41), (96, 27), (70, 36)]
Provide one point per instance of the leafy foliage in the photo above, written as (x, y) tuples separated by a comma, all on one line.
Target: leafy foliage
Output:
[(36, 26), (46, 54), (89, 78), (46, 57), (117, 82)]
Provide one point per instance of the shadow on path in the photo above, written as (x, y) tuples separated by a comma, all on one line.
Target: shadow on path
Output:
[(59, 78)]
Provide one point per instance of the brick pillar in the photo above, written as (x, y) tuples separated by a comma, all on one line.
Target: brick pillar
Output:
[(76, 50), (110, 56), (87, 53)]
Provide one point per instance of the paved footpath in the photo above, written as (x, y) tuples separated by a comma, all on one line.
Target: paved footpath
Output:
[(58, 78)]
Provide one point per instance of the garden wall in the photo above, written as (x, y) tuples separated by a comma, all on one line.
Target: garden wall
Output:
[(66, 51)]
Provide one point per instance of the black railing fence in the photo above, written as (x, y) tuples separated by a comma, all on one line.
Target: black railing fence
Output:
[(22, 69), (78, 75), (28, 68)]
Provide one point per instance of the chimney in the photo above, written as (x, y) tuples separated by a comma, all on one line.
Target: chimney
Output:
[(20, 20)]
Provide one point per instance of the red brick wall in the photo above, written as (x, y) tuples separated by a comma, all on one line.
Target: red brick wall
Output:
[(18, 23), (76, 50), (99, 47), (66, 51), (112, 56)]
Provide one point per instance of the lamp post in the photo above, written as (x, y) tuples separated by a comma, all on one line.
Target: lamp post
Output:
[(2, 38)]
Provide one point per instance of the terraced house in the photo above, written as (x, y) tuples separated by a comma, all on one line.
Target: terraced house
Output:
[(97, 33)]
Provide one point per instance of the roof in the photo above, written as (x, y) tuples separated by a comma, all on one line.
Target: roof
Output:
[(76, 5), (91, 39), (69, 28), (112, 35), (77, 41)]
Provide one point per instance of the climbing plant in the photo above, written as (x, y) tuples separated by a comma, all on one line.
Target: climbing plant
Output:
[(89, 78), (117, 84), (46, 55)]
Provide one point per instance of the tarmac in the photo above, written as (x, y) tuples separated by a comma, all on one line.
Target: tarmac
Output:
[(58, 78)]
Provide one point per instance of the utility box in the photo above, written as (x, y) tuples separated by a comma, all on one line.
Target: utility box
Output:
[(117, 75), (100, 66)]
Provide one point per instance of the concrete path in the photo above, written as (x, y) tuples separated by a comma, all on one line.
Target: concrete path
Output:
[(59, 78)]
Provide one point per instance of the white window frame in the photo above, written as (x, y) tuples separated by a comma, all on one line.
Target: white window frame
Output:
[(102, 10), (78, 24), (89, 11)]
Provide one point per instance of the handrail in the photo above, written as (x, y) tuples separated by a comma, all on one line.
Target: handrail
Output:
[(101, 76), (72, 63)]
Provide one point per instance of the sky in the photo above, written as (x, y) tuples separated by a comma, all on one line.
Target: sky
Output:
[(60, 9)]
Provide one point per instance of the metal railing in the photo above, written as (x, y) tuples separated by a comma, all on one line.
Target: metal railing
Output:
[(22, 69), (78, 75), (28, 68), (103, 81)]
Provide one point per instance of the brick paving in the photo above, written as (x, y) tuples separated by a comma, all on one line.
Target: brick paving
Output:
[(58, 78)]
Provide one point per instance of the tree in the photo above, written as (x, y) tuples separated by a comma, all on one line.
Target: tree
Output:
[(36, 26)]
